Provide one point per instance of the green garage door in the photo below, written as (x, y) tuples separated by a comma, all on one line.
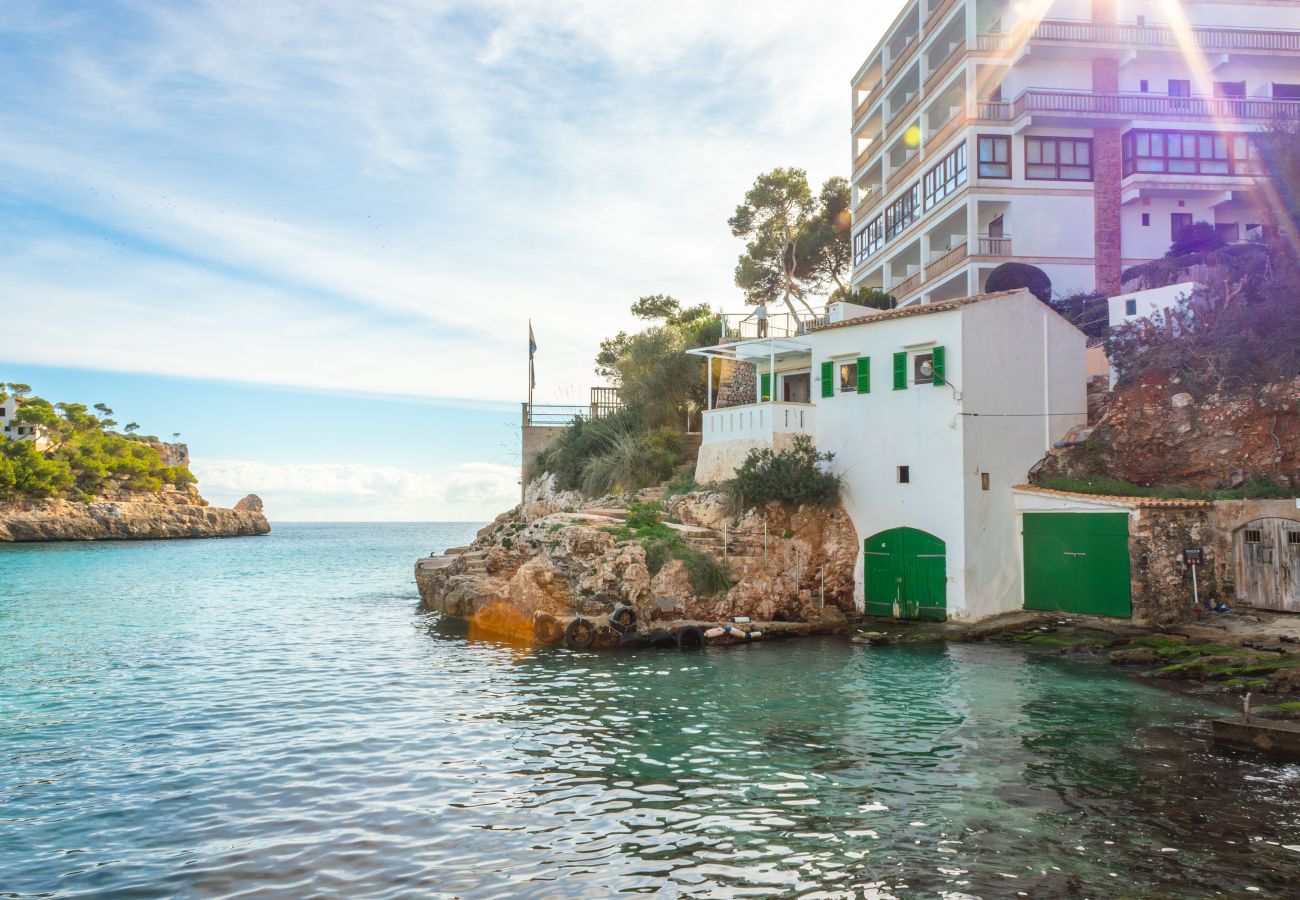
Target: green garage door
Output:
[(906, 575), (1077, 562)]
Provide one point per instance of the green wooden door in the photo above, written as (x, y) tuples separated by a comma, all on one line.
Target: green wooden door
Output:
[(906, 575), (1077, 562)]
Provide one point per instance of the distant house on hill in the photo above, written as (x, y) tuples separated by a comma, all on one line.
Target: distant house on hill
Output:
[(13, 431)]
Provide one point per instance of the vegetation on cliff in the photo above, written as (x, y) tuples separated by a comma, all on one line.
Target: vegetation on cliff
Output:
[(76, 454), (797, 476), (709, 577)]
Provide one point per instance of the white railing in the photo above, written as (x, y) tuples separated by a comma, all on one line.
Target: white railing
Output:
[(757, 421), (749, 327)]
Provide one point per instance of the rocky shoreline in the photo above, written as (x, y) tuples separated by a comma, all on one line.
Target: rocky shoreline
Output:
[(125, 516)]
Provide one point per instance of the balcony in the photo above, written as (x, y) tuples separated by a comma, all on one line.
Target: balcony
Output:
[(867, 205), (902, 288), (867, 101), (937, 139), (941, 12), (760, 422), (903, 57), (992, 110), (906, 170), (749, 327), (1118, 105), (1209, 38), (946, 261), (909, 106), (994, 246), (945, 68)]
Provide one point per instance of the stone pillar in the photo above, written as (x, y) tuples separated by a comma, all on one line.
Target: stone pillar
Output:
[(737, 385), (1107, 171)]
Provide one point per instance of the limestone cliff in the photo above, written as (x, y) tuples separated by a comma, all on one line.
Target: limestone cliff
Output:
[(556, 554), (170, 513), (1158, 431)]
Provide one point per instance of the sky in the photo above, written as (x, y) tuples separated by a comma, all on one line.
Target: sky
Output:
[(308, 235)]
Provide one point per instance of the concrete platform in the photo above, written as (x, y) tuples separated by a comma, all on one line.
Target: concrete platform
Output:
[(1265, 735)]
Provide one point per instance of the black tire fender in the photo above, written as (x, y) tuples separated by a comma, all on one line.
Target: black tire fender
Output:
[(546, 630), (661, 637), (690, 638), (622, 618), (579, 634)]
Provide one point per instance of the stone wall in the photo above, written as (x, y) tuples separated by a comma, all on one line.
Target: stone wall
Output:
[(1227, 517), (1161, 583), (739, 385)]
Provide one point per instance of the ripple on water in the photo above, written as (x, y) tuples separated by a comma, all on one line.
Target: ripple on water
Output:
[(237, 718)]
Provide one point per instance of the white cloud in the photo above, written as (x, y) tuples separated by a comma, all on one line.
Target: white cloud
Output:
[(378, 196), (356, 492)]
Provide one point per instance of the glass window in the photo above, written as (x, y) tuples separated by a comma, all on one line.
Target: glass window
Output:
[(849, 376), (1177, 222), (1189, 153), (1058, 159), (923, 368), (1130, 307), (945, 178), (994, 155)]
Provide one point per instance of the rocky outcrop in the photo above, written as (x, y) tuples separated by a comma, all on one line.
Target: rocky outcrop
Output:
[(559, 555), (170, 513), (170, 454), (1159, 431), (250, 503)]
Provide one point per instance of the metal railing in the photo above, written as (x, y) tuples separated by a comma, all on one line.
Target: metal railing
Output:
[(748, 326), (605, 401)]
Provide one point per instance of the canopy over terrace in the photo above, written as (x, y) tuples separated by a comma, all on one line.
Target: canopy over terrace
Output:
[(753, 350)]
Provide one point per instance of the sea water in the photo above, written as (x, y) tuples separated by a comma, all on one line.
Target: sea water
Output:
[(273, 717)]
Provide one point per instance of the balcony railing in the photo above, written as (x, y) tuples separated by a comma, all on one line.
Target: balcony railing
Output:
[(936, 140), (994, 41), (947, 261), (905, 170), (749, 326), (941, 12), (902, 288), (867, 204), (904, 56), (946, 66), (995, 246), (757, 421), (865, 105), (994, 110), (1129, 105), (909, 106), (1205, 37)]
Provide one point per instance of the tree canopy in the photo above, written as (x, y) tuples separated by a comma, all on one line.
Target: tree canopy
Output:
[(1012, 275), (795, 243)]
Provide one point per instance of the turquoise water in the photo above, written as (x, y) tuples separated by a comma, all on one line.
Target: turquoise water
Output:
[(271, 717)]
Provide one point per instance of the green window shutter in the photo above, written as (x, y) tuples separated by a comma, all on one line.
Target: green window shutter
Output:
[(864, 375), (766, 386), (937, 362), (900, 370), (828, 379)]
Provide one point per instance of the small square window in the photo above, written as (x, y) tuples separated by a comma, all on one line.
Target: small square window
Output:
[(1253, 536), (923, 368), (984, 481), (904, 475), (1130, 307), (848, 376), (1144, 85), (1146, 219), (1293, 538)]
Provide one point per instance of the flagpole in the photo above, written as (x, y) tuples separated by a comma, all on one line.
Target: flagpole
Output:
[(530, 368)]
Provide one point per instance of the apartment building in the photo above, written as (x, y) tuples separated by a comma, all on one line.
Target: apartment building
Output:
[(1078, 135)]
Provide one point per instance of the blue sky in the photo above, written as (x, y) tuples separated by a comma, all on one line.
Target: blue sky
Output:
[(309, 235)]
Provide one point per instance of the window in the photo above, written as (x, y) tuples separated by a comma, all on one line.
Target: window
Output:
[(945, 178), (1253, 536), (903, 211), (984, 481), (2, 412), (923, 368), (1144, 85), (1130, 307), (1180, 87), (1146, 219), (1230, 89), (1177, 222), (1189, 152), (997, 227), (994, 155), (904, 475), (1058, 159), (848, 377), (1293, 538), (868, 240), (1286, 91)]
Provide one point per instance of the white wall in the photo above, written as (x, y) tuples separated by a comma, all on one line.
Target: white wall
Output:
[(1023, 388), (1148, 303), (872, 434)]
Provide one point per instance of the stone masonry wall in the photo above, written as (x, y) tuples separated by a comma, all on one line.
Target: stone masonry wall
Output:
[(739, 386), (1162, 584), (1107, 163)]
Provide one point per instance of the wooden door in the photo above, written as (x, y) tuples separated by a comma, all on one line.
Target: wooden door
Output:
[(1268, 563)]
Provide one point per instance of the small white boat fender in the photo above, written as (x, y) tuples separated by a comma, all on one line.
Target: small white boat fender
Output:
[(740, 619), (715, 632)]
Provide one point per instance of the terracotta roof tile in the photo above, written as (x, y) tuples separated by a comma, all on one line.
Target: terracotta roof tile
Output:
[(1160, 502), (916, 309)]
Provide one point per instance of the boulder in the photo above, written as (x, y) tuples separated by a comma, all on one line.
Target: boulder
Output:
[(250, 503)]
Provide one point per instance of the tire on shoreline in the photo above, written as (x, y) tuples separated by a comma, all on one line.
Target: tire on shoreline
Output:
[(623, 618), (547, 629), (690, 638), (661, 639), (580, 634)]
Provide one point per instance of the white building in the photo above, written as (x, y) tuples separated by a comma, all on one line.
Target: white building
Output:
[(1145, 304), (933, 412), (1079, 136)]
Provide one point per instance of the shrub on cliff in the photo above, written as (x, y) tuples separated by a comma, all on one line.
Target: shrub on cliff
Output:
[(615, 453), (709, 576), (795, 476)]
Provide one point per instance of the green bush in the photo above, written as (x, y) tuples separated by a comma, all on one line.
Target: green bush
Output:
[(709, 576), (614, 453), (681, 484), (1012, 275), (1257, 489), (796, 476)]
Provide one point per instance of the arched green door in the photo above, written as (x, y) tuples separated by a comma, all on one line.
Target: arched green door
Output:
[(906, 575)]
